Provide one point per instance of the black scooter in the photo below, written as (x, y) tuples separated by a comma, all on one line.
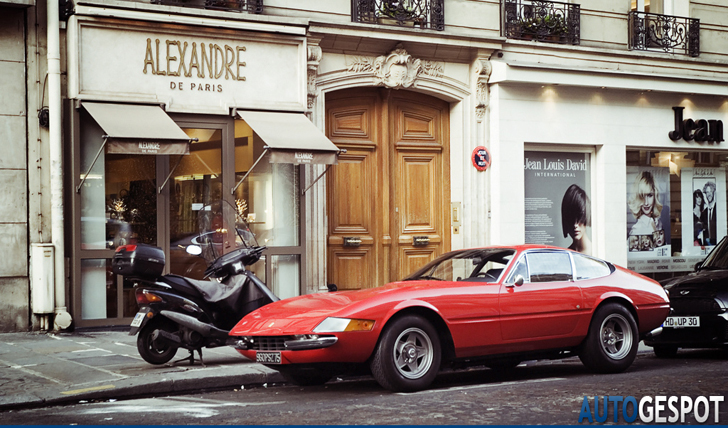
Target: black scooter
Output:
[(179, 312)]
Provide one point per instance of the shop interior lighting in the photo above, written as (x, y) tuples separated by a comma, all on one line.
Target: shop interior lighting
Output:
[(674, 160)]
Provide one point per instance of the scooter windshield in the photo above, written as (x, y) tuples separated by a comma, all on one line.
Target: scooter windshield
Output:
[(222, 229)]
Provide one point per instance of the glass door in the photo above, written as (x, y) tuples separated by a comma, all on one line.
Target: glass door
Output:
[(195, 182)]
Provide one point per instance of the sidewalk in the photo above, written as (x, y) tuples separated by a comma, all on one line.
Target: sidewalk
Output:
[(39, 369)]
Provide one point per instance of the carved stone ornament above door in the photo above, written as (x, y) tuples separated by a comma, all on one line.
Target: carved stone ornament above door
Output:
[(397, 70)]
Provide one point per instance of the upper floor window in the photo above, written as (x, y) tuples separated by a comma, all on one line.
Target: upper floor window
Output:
[(654, 25)]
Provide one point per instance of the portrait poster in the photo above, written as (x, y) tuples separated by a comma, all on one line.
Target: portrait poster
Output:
[(648, 213), (704, 221), (558, 199)]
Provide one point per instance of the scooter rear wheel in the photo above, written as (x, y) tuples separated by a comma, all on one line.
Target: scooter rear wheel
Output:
[(157, 351)]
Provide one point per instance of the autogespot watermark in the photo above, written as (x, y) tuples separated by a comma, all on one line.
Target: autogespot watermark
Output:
[(658, 409)]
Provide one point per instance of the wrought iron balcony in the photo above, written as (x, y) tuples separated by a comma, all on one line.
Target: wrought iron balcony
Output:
[(249, 6), (424, 14), (543, 21), (664, 33)]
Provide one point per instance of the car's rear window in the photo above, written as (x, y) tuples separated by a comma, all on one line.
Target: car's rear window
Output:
[(588, 268)]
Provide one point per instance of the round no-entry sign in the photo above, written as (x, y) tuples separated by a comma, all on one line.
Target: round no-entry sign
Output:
[(481, 158)]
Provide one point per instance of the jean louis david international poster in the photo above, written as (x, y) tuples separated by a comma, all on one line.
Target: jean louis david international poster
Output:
[(558, 202), (703, 210), (648, 213)]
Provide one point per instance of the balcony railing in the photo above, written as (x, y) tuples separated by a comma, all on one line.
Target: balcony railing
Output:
[(664, 33), (424, 14), (543, 21), (250, 6)]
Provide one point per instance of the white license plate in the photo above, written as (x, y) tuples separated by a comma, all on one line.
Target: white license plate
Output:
[(680, 322), (138, 318), (268, 357)]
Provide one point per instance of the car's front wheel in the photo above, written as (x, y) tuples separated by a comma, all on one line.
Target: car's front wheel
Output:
[(408, 355), (611, 344)]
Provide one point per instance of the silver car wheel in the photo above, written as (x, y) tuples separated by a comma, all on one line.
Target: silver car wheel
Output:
[(616, 336), (413, 353)]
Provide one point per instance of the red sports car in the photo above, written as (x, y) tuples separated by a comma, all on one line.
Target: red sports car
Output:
[(495, 306)]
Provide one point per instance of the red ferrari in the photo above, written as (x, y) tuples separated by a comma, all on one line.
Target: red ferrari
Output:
[(495, 306)]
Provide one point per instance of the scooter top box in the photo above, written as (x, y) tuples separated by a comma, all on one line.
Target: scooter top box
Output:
[(138, 261)]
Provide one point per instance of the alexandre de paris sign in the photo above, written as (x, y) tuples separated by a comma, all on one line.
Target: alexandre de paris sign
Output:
[(186, 70)]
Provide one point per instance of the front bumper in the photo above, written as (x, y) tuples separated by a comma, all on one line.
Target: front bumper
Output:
[(346, 347), (289, 343), (713, 332)]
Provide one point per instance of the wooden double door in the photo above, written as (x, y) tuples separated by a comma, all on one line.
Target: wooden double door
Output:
[(388, 198)]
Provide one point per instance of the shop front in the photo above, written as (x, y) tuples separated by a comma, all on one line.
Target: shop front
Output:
[(635, 176), (166, 118)]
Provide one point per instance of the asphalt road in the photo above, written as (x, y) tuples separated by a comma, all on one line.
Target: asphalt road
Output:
[(544, 392)]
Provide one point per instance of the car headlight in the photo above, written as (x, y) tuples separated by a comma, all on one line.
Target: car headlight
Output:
[(337, 325)]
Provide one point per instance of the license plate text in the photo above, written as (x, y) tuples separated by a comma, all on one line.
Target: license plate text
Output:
[(268, 357), (679, 322)]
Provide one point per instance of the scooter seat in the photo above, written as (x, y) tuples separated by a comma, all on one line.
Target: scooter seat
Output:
[(182, 285), (209, 291)]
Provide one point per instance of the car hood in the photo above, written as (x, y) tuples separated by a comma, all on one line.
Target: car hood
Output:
[(299, 315), (697, 283)]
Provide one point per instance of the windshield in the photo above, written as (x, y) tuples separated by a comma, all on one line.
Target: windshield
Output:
[(221, 229), (718, 258), (481, 265)]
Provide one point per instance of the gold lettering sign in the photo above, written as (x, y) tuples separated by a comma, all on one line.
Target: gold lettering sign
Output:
[(208, 60)]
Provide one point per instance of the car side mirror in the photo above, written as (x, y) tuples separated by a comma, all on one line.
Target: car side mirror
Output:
[(697, 266), (332, 287), (519, 280)]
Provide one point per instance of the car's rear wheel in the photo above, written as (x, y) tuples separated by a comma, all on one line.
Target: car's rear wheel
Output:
[(611, 344), (408, 355), (665, 351), (306, 376), (153, 348)]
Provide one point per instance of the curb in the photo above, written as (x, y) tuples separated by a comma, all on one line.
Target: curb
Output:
[(172, 384)]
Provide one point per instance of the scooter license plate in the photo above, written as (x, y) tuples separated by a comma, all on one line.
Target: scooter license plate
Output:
[(268, 357), (138, 318)]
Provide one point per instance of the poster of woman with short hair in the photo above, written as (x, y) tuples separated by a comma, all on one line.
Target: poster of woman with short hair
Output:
[(558, 202)]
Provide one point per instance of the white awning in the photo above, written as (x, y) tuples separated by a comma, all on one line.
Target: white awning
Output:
[(291, 137), (138, 129)]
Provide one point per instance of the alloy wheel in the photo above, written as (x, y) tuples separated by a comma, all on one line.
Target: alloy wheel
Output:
[(413, 353), (616, 336)]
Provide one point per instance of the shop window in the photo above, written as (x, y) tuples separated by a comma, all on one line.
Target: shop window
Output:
[(269, 199), (118, 204), (118, 197), (676, 209), (270, 195)]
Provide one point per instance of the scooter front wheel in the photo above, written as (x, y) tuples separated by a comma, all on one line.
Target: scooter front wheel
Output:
[(156, 350)]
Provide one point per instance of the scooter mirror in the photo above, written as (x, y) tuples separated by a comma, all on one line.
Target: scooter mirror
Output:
[(195, 250)]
